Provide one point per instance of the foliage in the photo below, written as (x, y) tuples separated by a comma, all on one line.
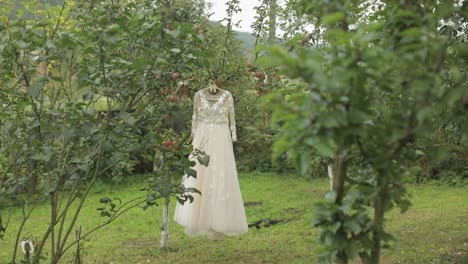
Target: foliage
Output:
[(368, 93), (56, 69)]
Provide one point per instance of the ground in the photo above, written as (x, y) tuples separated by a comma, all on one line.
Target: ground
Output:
[(279, 209)]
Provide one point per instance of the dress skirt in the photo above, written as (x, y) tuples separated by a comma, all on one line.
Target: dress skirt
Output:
[(219, 208)]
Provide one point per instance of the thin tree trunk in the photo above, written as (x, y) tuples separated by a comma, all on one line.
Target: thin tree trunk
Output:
[(330, 175), (52, 224), (338, 182), (377, 224), (272, 21), (165, 225), (339, 176), (77, 252)]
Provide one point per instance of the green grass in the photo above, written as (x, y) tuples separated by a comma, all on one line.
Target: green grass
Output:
[(434, 230)]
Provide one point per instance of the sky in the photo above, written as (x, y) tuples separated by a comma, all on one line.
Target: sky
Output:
[(246, 15)]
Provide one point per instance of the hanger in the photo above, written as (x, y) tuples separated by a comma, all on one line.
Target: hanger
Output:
[(213, 88)]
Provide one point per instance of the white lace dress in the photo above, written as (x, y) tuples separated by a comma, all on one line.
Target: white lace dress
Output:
[(220, 208)]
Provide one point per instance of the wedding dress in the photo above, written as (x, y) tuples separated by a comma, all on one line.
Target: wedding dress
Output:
[(219, 209)]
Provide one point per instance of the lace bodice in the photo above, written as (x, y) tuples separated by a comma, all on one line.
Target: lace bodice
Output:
[(214, 109)]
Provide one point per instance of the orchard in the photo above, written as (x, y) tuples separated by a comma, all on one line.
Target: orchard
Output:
[(351, 117)]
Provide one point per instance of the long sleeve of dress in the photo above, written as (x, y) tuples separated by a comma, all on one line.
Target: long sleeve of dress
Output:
[(232, 120), (196, 107)]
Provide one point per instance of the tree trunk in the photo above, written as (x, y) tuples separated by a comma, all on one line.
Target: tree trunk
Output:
[(272, 21), (338, 177), (377, 225), (77, 252), (165, 225), (330, 175), (33, 180)]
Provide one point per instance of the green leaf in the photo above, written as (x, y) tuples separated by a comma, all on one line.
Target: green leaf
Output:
[(69, 132), (419, 153), (44, 155), (357, 116), (280, 146), (325, 147), (105, 200), (203, 159), (180, 200), (129, 119), (165, 191), (412, 32), (462, 50), (352, 226), (281, 57), (333, 18), (105, 214), (404, 205), (259, 48), (192, 190), (191, 172), (334, 227), (67, 41), (21, 44), (333, 119), (35, 90), (113, 29), (352, 249)]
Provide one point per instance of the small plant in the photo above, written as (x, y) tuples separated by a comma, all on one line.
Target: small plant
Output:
[(173, 161)]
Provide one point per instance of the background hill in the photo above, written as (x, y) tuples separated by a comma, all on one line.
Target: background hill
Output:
[(247, 39)]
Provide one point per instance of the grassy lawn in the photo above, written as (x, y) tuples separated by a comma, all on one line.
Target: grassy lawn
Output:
[(434, 230)]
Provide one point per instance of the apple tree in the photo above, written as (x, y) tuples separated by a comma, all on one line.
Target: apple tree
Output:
[(363, 97)]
